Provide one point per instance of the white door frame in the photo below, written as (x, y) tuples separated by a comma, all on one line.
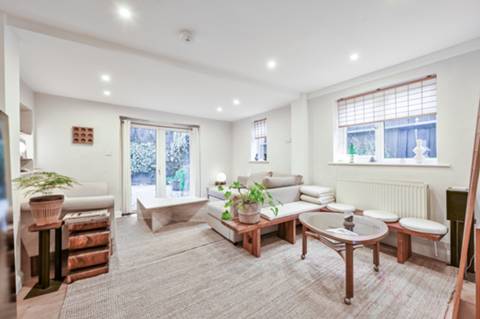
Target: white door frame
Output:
[(161, 187)]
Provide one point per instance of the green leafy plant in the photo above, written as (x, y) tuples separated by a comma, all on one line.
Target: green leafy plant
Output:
[(255, 194), (351, 149), (43, 183)]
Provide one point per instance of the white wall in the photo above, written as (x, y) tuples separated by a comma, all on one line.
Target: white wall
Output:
[(27, 96), (55, 116), (458, 84), (300, 151), (278, 144)]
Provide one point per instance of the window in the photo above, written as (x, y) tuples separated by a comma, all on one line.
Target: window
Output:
[(385, 124), (259, 141)]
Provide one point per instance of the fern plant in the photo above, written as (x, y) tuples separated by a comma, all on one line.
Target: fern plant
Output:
[(43, 183), (255, 194)]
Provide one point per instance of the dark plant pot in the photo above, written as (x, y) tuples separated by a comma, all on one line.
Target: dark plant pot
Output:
[(46, 209), (248, 214)]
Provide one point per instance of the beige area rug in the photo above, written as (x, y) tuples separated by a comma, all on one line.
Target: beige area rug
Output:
[(189, 271)]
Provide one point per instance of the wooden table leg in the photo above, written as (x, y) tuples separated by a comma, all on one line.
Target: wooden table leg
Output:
[(256, 242), (304, 241), (288, 231), (404, 247), (348, 274), (376, 256), (252, 242), (44, 258)]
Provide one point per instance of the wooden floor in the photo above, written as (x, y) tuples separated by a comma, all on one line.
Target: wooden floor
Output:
[(49, 306), (42, 307)]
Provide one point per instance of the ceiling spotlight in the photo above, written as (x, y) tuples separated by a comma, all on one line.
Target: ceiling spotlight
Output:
[(105, 78), (124, 12), (354, 57), (107, 93), (219, 109), (236, 102), (271, 64)]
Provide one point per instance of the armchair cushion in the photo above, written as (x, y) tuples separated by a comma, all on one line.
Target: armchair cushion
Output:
[(88, 203)]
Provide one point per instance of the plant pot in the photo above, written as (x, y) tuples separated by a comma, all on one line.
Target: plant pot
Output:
[(46, 209), (249, 214)]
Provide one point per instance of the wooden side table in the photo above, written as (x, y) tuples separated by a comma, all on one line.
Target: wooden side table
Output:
[(252, 233), (45, 285)]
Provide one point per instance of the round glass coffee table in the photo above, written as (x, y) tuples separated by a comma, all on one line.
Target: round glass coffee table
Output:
[(344, 237)]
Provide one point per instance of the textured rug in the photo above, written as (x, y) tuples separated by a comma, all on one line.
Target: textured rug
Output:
[(189, 271)]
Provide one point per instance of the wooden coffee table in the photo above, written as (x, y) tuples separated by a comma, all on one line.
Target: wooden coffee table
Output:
[(367, 232), (252, 233)]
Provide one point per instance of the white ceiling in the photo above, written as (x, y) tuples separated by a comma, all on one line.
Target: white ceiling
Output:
[(311, 40)]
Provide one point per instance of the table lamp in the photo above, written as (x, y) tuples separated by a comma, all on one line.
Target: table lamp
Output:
[(221, 179)]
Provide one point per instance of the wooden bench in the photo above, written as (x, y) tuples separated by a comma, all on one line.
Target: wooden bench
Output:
[(404, 237), (404, 240)]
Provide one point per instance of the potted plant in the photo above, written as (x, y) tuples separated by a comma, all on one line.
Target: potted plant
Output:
[(247, 202), (46, 209), (352, 151)]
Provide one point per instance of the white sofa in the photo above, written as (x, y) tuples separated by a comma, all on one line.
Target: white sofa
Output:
[(288, 194)]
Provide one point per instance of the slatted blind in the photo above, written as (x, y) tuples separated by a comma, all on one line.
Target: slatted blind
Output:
[(412, 98), (260, 128)]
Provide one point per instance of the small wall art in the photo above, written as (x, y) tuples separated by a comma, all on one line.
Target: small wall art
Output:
[(82, 135)]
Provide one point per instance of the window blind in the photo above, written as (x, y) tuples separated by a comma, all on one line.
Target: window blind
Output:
[(412, 98), (260, 128)]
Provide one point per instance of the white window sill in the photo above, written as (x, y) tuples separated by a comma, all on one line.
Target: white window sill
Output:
[(392, 164), (259, 162)]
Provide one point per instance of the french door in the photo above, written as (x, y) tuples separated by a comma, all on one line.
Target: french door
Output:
[(160, 163)]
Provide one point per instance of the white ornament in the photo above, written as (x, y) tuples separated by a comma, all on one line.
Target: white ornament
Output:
[(420, 151)]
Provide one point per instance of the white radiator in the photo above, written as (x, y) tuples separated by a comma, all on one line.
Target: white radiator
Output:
[(406, 199)]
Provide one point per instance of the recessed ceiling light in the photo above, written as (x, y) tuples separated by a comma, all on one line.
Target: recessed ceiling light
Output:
[(354, 57), (219, 109), (106, 77), (124, 12), (236, 102), (107, 93), (271, 64)]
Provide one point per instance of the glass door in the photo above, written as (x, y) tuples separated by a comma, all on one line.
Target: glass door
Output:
[(176, 164), (160, 163)]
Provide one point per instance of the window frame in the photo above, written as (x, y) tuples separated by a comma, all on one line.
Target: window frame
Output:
[(341, 147), (255, 141)]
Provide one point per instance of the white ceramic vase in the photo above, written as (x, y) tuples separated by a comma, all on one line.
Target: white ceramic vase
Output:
[(420, 151)]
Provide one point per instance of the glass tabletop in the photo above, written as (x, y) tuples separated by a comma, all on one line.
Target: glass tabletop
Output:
[(333, 225)]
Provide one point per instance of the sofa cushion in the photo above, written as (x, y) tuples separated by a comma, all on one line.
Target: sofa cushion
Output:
[(216, 208), (286, 194), (87, 189), (423, 226), (382, 215), (288, 209), (275, 182), (257, 178), (215, 192), (88, 203), (315, 191)]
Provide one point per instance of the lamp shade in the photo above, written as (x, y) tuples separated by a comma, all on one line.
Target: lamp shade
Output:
[(221, 178)]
